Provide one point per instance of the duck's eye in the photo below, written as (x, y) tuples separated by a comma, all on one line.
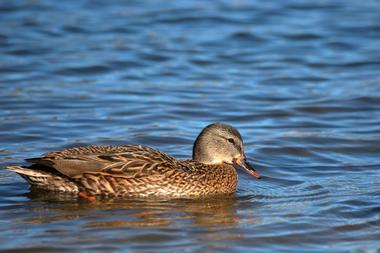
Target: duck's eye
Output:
[(230, 140)]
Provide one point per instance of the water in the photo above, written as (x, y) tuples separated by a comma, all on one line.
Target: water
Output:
[(299, 79)]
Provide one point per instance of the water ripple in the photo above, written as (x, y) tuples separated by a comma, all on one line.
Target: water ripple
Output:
[(299, 79)]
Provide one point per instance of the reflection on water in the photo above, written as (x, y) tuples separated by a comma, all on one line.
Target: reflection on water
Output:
[(210, 221), (138, 213), (299, 79)]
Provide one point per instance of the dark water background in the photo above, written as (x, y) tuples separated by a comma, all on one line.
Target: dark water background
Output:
[(299, 79)]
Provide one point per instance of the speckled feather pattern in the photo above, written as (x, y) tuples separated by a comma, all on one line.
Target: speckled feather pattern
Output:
[(130, 171)]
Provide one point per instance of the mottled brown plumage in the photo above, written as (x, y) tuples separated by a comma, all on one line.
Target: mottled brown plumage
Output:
[(138, 171)]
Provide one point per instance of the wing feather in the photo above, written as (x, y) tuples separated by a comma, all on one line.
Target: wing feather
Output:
[(128, 160)]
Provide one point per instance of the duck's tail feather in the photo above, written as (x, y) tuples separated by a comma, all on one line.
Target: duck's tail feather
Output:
[(45, 179), (39, 160)]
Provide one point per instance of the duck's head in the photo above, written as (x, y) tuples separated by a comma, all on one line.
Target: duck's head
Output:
[(220, 143)]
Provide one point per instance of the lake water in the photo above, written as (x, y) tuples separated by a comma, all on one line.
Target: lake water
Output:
[(299, 79)]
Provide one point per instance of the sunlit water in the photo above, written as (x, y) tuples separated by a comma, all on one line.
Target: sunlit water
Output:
[(299, 79)]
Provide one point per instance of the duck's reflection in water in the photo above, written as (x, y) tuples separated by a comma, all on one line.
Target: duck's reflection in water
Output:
[(209, 212), (212, 222)]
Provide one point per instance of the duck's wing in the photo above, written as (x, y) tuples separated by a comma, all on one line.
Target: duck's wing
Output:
[(128, 160)]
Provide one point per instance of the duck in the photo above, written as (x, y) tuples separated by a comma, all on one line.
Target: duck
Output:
[(138, 171)]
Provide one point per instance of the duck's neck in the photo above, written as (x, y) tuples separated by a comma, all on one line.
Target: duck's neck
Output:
[(201, 156)]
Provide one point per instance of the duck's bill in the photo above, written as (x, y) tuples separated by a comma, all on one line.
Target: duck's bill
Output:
[(243, 164)]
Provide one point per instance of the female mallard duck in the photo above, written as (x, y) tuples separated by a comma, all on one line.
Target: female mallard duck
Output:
[(137, 171)]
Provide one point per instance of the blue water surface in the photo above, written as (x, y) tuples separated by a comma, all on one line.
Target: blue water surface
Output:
[(299, 79)]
